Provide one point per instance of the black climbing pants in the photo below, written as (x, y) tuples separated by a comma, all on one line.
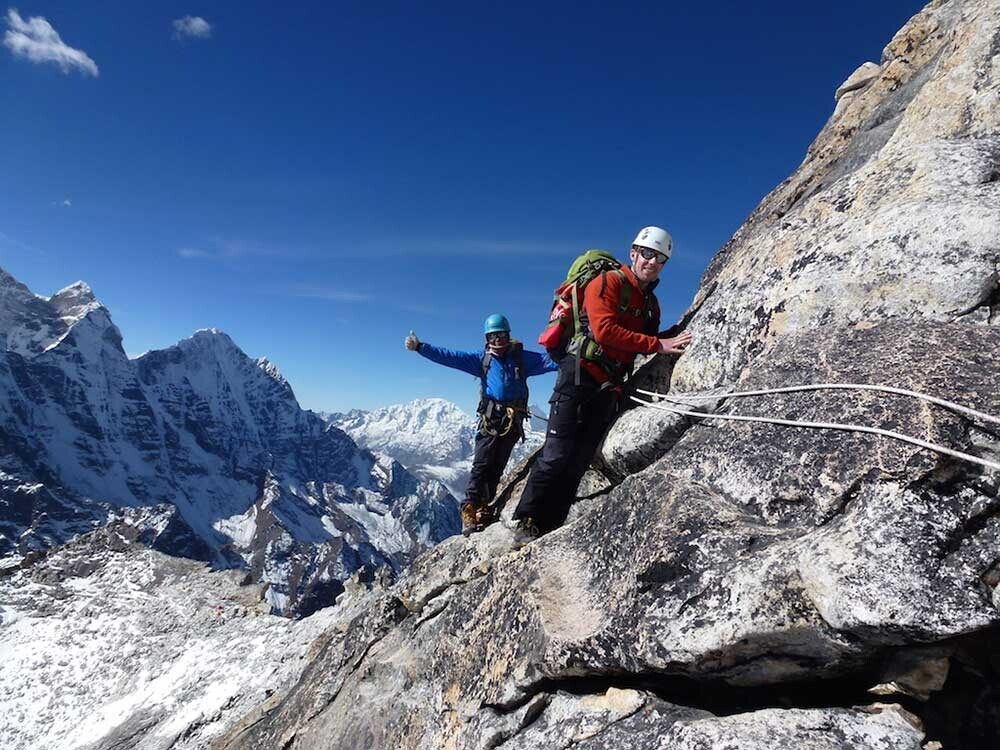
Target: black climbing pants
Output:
[(579, 415), (488, 462)]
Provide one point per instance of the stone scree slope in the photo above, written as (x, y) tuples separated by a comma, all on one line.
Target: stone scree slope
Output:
[(764, 577)]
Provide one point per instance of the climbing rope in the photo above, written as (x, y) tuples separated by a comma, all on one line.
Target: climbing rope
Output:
[(709, 396), (507, 419), (677, 398)]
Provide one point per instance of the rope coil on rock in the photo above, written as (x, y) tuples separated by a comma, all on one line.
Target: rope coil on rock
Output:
[(678, 398)]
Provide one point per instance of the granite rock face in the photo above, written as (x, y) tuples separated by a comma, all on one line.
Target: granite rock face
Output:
[(761, 577), (743, 556), (895, 211)]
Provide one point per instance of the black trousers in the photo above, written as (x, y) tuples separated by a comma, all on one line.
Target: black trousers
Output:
[(489, 459), (579, 415)]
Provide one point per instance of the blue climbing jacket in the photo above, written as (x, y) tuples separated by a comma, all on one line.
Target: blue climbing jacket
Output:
[(501, 383)]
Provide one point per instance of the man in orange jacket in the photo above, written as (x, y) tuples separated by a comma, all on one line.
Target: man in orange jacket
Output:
[(620, 317)]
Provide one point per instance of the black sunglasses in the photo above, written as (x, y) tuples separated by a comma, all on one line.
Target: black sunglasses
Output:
[(497, 336), (649, 254)]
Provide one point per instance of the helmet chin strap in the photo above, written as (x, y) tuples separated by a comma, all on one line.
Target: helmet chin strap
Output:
[(498, 350)]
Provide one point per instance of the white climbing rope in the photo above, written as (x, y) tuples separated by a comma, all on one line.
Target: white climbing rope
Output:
[(825, 426), (708, 396)]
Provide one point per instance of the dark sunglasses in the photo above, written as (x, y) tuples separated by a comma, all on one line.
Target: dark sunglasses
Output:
[(650, 254), (497, 336)]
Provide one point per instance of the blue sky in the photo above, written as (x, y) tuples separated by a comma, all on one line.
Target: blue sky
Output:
[(316, 181)]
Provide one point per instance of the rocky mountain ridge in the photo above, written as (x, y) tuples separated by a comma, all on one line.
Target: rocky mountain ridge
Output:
[(254, 481)]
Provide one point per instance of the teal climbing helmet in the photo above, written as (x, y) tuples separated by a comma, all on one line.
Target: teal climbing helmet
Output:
[(496, 323)]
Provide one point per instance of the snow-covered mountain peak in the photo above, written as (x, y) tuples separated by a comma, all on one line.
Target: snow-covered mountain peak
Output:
[(211, 338), (11, 287), (436, 406), (211, 357), (432, 437), (75, 302), (211, 346), (78, 290), (423, 412), (271, 370), (257, 482), (431, 429), (31, 324)]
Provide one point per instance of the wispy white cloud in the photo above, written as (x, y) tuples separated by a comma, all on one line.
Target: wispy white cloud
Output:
[(7, 241), (438, 310), (450, 247), (191, 27), (217, 249), (194, 252), (333, 294), (37, 41), (64, 203), (530, 247)]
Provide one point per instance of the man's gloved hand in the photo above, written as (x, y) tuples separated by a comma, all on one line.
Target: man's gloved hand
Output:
[(412, 342)]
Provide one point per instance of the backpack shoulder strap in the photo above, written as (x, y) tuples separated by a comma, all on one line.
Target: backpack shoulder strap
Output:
[(518, 349), (487, 361), (626, 295)]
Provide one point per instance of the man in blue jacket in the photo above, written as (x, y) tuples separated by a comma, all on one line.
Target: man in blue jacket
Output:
[(503, 367)]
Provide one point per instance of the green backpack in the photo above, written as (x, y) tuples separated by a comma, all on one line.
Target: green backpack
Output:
[(566, 332), (564, 319)]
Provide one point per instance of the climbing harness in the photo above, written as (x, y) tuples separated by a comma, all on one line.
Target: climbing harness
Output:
[(511, 416), (684, 398)]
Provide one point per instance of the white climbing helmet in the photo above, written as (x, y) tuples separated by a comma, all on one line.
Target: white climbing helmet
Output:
[(655, 239)]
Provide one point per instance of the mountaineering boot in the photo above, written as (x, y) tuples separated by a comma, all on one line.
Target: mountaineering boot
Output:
[(487, 515), (470, 519), (526, 532)]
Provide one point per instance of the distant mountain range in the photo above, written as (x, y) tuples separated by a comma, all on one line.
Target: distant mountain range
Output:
[(204, 448), (432, 437)]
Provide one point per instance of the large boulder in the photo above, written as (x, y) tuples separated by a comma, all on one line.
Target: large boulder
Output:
[(860, 78)]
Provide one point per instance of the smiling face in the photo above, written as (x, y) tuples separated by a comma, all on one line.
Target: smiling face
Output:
[(646, 270), (498, 342)]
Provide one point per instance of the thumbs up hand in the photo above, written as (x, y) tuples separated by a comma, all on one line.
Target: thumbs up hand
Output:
[(412, 342)]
